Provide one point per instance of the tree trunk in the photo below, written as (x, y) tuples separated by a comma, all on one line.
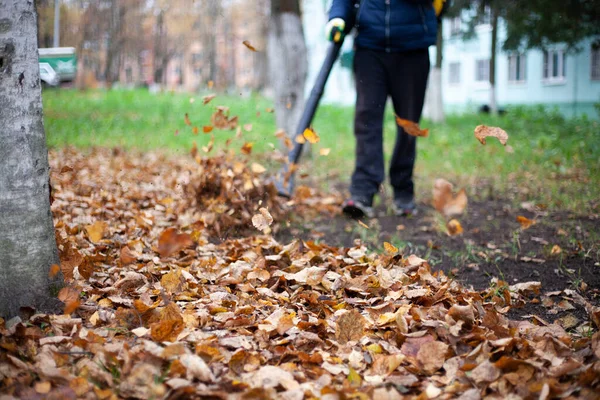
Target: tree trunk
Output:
[(287, 63), (434, 102), (27, 241), (494, 17)]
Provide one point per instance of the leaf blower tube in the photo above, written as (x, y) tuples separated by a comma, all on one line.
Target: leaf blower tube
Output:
[(285, 180)]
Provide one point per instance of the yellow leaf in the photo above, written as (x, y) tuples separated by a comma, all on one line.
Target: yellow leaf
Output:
[(96, 231), (555, 250), (310, 135), (390, 248), (300, 139), (257, 168), (325, 151), (247, 148)]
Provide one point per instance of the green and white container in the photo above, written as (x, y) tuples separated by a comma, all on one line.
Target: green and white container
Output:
[(63, 60)]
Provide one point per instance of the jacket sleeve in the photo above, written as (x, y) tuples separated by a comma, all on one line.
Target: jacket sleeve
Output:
[(343, 9)]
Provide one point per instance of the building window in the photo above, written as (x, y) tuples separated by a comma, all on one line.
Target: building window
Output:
[(516, 67), (555, 65), (482, 71), (455, 26), (454, 73), (595, 56)]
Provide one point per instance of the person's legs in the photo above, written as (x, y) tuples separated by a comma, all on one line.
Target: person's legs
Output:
[(371, 96), (408, 74)]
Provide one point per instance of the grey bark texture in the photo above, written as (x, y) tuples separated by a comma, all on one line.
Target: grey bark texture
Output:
[(27, 241), (287, 63)]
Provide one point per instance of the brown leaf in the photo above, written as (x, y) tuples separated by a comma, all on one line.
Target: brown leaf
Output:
[(172, 282), (247, 148), (126, 256), (482, 131), (248, 45), (206, 99), (411, 128), (350, 326), (221, 120), (444, 201), (195, 130), (431, 356), (484, 372), (170, 242), (65, 169), (186, 119)]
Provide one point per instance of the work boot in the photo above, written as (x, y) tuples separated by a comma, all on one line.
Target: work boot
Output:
[(404, 205), (358, 208)]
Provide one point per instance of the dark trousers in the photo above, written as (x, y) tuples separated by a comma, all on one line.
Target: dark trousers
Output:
[(403, 76)]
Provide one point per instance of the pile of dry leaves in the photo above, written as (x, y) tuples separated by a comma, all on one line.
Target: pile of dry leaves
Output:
[(157, 309)]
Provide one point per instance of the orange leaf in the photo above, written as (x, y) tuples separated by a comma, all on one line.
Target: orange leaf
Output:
[(300, 139), (207, 129), (412, 128), (247, 148), (525, 222), (248, 45), (482, 131), (186, 119), (71, 306), (54, 269), (171, 242), (390, 248), (195, 130), (210, 84), (454, 227)]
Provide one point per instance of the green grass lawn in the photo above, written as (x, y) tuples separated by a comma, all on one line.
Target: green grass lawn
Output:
[(555, 161)]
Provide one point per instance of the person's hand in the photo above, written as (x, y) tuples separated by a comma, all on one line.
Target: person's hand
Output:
[(334, 30)]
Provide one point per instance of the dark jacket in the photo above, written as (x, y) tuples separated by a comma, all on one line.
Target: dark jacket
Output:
[(389, 25)]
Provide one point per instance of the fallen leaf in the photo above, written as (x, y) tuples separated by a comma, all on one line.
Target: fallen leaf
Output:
[(54, 269), (445, 202), (247, 148), (525, 222), (206, 99), (350, 326), (126, 256), (431, 356), (210, 84), (324, 151), (248, 127), (411, 128), (310, 135), (257, 168), (43, 387), (454, 227), (483, 131), (263, 220), (186, 119), (170, 242), (390, 248), (65, 169), (195, 130), (248, 45), (96, 231), (555, 250), (207, 129), (363, 224), (300, 139)]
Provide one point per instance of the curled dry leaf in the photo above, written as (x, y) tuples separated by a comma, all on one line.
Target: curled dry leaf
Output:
[(248, 45), (445, 202), (186, 119), (525, 222), (207, 99), (411, 128), (221, 119), (54, 270), (263, 220), (483, 131), (247, 148)]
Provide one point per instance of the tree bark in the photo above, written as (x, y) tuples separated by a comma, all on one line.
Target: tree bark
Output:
[(494, 21), (27, 241), (287, 63)]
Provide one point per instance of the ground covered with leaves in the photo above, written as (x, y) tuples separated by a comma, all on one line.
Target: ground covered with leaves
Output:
[(191, 279)]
